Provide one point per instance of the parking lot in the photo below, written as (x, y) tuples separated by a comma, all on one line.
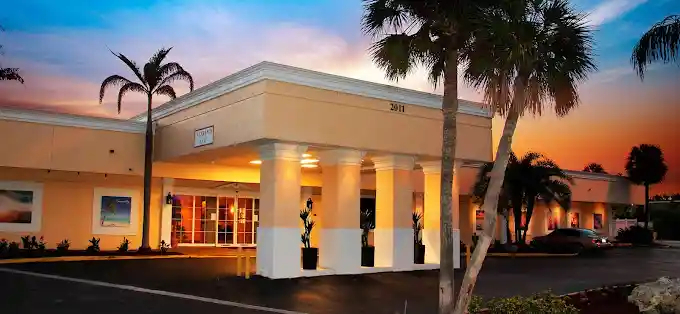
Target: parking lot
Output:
[(193, 285)]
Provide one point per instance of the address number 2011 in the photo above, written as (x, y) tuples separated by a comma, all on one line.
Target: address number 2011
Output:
[(397, 107)]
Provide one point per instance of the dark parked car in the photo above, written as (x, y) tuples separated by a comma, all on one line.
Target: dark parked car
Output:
[(572, 240)]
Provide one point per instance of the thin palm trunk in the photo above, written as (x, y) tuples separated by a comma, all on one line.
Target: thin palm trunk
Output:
[(449, 110), (148, 163), (497, 176), (646, 206), (530, 211)]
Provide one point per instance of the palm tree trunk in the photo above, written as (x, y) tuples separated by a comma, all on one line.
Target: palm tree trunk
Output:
[(504, 226), (148, 153), (646, 206), (449, 110), (493, 192), (530, 211)]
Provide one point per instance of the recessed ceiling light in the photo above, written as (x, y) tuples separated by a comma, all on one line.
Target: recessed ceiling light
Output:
[(309, 166), (256, 162), (309, 161), (306, 155)]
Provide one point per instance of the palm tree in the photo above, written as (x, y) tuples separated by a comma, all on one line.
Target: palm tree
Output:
[(646, 166), (541, 179), (9, 74), (660, 43), (427, 33), (504, 201), (154, 79), (530, 53), (594, 168)]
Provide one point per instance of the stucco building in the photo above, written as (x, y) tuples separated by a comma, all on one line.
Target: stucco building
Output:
[(241, 156)]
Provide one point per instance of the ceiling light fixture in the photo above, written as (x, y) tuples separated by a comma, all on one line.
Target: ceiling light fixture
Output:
[(309, 161), (309, 166), (256, 162), (306, 155)]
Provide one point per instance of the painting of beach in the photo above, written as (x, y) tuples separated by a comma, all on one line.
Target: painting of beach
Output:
[(115, 211), (16, 206)]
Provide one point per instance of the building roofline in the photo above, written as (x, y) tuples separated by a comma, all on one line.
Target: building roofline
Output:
[(63, 119), (294, 75), (593, 175)]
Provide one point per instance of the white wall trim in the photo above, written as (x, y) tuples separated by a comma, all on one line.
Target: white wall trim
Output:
[(60, 119), (36, 206), (284, 73), (594, 176), (134, 212)]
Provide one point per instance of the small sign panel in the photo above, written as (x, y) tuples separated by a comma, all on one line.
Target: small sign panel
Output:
[(203, 136)]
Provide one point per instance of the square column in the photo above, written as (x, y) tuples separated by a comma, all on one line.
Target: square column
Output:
[(340, 248), (278, 235), (166, 211), (393, 236), (432, 214)]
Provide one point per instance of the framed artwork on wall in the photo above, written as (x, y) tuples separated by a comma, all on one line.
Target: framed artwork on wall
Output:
[(552, 219), (575, 221), (20, 206), (597, 221), (115, 211), (479, 219)]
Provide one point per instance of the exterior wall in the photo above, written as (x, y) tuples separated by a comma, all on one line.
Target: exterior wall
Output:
[(48, 146), (67, 206), (311, 115), (237, 117)]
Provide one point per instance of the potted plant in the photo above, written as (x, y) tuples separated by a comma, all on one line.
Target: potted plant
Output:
[(309, 254), (367, 222), (418, 247)]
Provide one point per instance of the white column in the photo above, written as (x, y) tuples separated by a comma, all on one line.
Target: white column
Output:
[(393, 236), (431, 231), (166, 210), (278, 235), (340, 248)]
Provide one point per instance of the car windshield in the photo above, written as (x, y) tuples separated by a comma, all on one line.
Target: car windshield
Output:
[(590, 233)]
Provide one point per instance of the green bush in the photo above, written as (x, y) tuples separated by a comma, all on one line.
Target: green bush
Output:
[(124, 245), (63, 246), (542, 303), (94, 246), (635, 235)]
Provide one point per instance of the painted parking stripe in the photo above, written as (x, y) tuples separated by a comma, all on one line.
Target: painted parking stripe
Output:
[(151, 291)]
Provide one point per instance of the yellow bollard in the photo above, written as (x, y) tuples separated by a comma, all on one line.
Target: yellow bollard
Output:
[(247, 261), (239, 255), (467, 256)]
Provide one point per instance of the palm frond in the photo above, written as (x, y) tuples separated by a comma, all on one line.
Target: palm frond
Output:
[(660, 43), (152, 68), (133, 66), (10, 74), (168, 69), (111, 81), (383, 16), (129, 87), (178, 76), (395, 55), (166, 90)]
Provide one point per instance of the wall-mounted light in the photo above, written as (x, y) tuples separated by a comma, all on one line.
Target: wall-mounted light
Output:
[(310, 203), (168, 199)]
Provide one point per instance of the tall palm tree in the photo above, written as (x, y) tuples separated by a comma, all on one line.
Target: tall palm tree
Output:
[(594, 168), (154, 79), (660, 43), (427, 33), (505, 199), (646, 166), (529, 54), (9, 74)]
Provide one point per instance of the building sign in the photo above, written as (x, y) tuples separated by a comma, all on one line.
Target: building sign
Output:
[(203, 136), (397, 107)]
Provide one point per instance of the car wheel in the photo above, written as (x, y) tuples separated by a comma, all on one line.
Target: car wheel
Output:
[(577, 248)]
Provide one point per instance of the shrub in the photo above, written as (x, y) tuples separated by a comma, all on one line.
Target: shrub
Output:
[(164, 247), (94, 246), (40, 245), (539, 303), (63, 246), (659, 297), (124, 245), (13, 248), (476, 305), (635, 235), (4, 246), (29, 243)]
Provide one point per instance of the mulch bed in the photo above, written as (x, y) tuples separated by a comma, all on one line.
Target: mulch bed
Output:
[(23, 253), (604, 301)]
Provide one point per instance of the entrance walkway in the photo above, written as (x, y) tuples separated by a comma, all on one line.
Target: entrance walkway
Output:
[(375, 293)]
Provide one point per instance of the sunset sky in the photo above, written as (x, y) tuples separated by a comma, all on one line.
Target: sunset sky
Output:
[(62, 47)]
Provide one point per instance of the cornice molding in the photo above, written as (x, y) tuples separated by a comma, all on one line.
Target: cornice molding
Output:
[(61, 119), (594, 176), (341, 157), (288, 74), (393, 162), (282, 151)]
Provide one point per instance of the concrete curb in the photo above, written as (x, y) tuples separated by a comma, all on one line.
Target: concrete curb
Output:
[(101, 258)]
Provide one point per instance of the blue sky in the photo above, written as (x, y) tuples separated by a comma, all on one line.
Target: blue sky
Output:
[(62, 50)]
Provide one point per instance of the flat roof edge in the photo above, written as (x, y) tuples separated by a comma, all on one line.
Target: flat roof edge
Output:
[(70, 120), (294, 75)]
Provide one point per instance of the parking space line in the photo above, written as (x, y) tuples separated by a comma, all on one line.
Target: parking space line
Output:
[(150, 291)]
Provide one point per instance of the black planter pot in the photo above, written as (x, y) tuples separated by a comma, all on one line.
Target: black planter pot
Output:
[(310, 256), (419, 254), (367, 256)]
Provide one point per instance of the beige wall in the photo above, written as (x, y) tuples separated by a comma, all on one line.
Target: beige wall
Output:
[(67, 206), (44, 146)]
